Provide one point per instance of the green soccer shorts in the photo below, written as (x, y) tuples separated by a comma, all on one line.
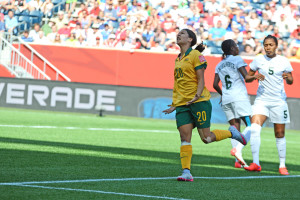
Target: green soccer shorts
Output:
[(198, 114)]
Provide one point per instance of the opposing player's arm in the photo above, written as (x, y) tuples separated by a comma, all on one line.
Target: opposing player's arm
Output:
[(288, 77), (251, 76), (216, 84)]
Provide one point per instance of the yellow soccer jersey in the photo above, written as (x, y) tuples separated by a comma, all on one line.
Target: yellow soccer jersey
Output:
[(185, 78)]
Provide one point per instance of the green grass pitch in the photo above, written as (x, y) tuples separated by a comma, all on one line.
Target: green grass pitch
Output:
[(52, 155)]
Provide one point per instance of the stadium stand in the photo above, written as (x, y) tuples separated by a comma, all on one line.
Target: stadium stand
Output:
[(153, 24)]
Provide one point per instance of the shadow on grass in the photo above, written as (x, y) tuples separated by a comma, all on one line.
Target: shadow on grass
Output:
[(27, 165)]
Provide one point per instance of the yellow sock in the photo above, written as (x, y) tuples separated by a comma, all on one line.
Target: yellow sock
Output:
[(186, 156), (221, 134)]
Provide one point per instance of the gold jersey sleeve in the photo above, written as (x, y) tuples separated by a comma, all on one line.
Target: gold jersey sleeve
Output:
[(185, 78)]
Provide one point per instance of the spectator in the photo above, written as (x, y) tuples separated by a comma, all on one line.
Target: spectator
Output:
[(64, 32), (249, 39), (81, 9), (261, 33), (41, 39), (276, 33), (248, 51), (293, 54), (135, 44), (212, 6), (106, 32), (157, 47), (51, 36), (60, 20), (253, 21), (34, 34), (294, 34), (11, 22), (123, 44), (70, 5), (110, 42), (283, 26), (95, 10), (85, 20), (81, 42), (159, 36), (25, 37), (71, 41), (47, 27), (295, 43), (217, 34), (147, 37), (162, 9), (92, 35), (171, 46), (111, 15), (57, 39), (46, 8), (174, 12), (74, 22)]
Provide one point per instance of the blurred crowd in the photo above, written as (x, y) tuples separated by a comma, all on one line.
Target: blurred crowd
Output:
[(154, 24)]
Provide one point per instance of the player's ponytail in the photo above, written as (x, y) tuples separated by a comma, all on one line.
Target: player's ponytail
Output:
[(192, 35), (200, 47)]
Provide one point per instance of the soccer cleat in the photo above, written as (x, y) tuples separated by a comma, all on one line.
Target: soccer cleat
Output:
[(253, 167), (185, 177), (283, 171), (238, 156), (237, 135), (237, 165)]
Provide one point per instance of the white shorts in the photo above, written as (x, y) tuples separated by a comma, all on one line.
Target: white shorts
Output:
[(235, 110), (278, 112)]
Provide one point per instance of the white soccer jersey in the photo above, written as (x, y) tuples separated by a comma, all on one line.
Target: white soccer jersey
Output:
[(272, 88), (233, 84)]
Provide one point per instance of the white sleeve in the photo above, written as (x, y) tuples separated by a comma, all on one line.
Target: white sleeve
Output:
[(288, 66), (240, 62), (217, 68), (253, 65)]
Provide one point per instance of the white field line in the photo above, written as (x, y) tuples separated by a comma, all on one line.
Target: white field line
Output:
[(102, 192), (90, 129), (108, 129), (147, 178)]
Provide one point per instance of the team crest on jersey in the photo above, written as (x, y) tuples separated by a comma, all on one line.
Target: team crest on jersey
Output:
[(202, 59)]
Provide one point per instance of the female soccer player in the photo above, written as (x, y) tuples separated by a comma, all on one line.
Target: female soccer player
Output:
[(191, 99), (270, 101), (235, 102)]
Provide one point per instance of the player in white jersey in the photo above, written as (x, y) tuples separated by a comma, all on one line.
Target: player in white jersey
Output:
[(270, 101), (235, 102)]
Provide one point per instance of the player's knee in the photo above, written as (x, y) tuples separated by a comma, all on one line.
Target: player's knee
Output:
[(279, 134)]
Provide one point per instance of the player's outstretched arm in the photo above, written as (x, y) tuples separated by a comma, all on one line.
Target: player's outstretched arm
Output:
[(288, 77), (251, 76)]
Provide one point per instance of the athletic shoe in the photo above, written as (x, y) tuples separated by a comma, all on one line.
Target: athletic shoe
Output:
[(253, 167), (238, 156), (283, 171), (237, 135), (237, 165), (185, 177)]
